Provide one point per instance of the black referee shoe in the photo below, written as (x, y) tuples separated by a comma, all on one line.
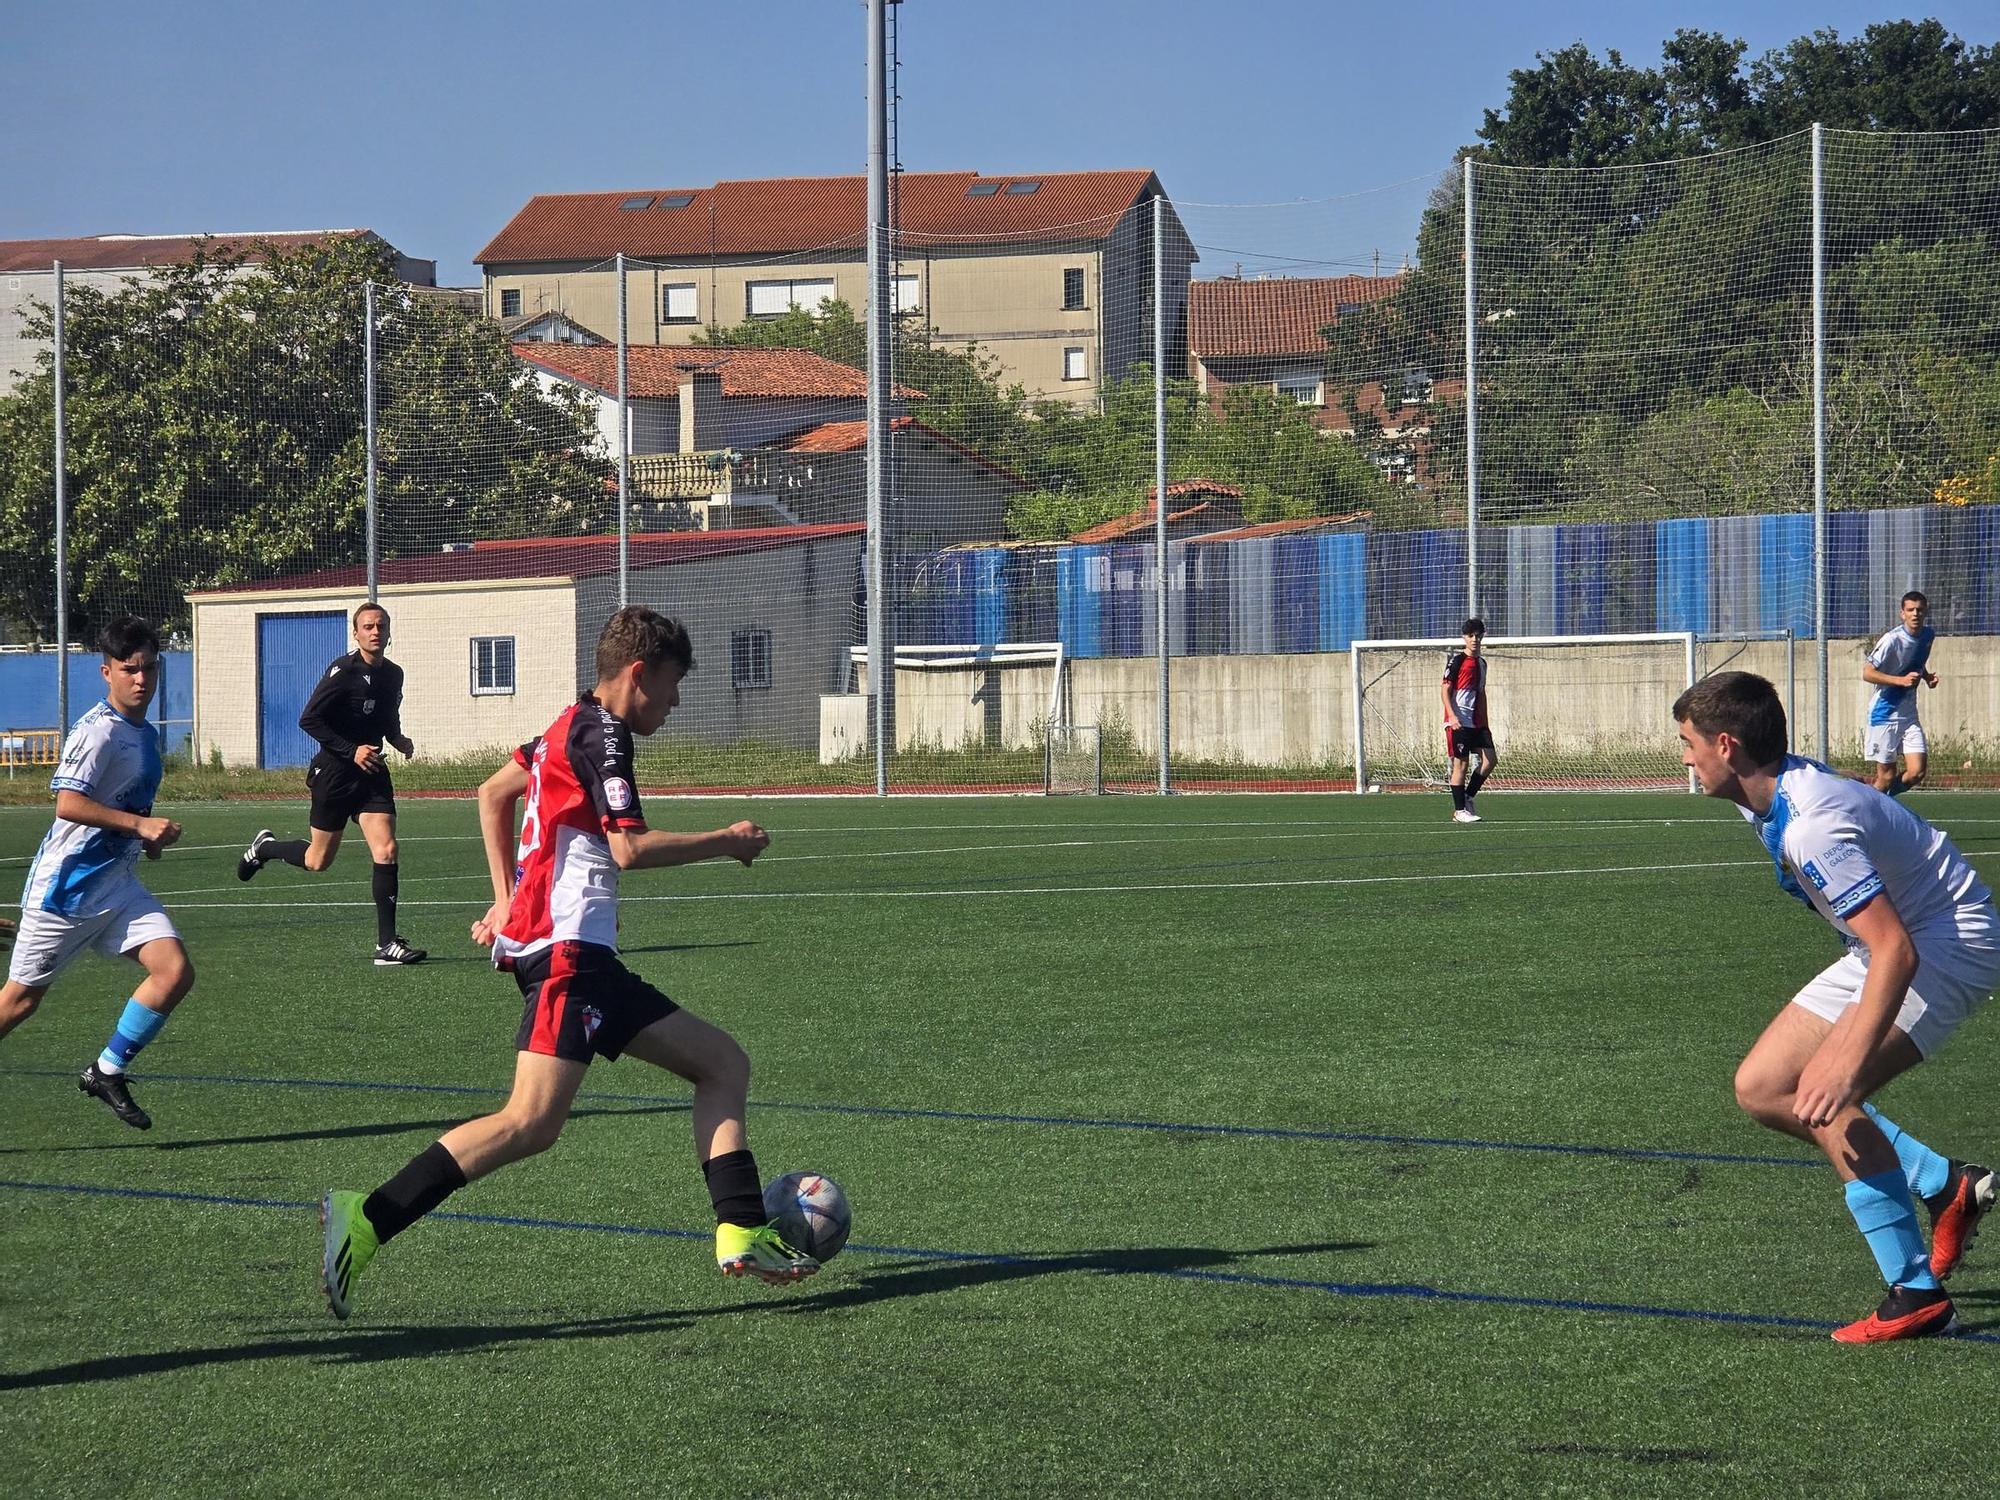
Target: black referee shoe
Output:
[(396, 952), (110, 1087), (254, 857)]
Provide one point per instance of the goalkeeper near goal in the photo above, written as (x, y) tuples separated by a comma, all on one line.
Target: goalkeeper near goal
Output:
[(1468, 738)]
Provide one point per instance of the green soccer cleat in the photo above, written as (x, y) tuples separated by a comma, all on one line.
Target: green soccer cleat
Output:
[(350, 1244), (760, 1252)]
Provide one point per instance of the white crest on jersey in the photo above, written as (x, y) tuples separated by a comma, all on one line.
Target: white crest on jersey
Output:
[(618, 793)]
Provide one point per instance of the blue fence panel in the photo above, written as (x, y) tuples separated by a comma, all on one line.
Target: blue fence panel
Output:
[(292, 651), (1125, 601), (1078, 621), (1343, 589), (1582, 552), (28, 698), (1680, 575), (1295, 564), (1785, 577), (989, 582)]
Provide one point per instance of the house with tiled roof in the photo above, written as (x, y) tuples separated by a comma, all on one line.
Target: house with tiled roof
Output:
[(1194, 507), (724, 438), (1050, 273), (105, 262)]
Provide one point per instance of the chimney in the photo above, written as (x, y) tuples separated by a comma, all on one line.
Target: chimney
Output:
[(701, 411)]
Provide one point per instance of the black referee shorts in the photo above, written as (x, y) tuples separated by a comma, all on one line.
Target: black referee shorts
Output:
[(342, 791)]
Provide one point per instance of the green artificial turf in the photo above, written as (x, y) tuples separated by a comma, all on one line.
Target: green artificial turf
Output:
[(1186, 1140)]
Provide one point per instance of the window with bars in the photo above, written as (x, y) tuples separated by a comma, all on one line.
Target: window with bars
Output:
[(492, 666), (510, 302), (678, 303), (750, 659), (1072, 288)]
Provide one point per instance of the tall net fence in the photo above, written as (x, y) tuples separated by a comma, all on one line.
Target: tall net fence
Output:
[(1638, 452)]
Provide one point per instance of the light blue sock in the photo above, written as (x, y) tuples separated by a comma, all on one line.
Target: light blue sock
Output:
[(1924, 1170), (1887, 1220), (137, 1025)]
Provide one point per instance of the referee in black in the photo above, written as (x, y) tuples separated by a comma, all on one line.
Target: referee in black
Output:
[(353, 713)]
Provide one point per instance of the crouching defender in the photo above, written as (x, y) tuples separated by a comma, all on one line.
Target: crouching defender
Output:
[(554, 925), (1923, 952)]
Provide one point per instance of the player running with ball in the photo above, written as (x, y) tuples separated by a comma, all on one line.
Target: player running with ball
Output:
[(554, 926), (1923, 952)]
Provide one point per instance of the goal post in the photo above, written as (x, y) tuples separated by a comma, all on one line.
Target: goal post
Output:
[(966, 715), (1569, 713)]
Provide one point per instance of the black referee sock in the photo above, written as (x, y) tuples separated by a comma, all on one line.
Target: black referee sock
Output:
[(291, 851), (431, 1177), (735, 1189), (385, 903)]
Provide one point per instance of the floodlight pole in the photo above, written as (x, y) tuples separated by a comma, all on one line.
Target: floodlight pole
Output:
[(881, 305), (1819, 422), (62, 525), (1471, 415), (1160, 475), (368, 409), (625, 448)]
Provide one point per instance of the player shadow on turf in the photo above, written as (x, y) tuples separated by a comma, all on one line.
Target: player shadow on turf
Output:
[(876, 1284), (689, 947), (333, 1133), (1988, 1304)]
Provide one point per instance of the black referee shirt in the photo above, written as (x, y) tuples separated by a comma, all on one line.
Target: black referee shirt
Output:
[(355, 704)]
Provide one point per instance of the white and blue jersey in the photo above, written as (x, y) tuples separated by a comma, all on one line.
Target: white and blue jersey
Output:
[(1838, 844), (1897, 653), (80, 870)]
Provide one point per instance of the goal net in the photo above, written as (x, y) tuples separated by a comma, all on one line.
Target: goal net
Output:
[(991, 708), (1075, 764), (1568, 713)]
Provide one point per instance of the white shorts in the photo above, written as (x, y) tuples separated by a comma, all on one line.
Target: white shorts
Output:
[(47, 941), (1953, 980), (1892, 737)]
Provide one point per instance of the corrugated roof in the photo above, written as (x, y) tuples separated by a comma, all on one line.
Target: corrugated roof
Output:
[(1279, 317), (771, 215), (1177, 489), (124, 252), (851, 437), (656, 370), (551, 557), (1286, 528)]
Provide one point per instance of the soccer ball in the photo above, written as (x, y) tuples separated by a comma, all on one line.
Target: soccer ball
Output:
[(810, 1211)]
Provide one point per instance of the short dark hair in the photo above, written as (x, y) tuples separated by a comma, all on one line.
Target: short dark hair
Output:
[(126, 635), (637, 633), (1918, 597), (1741, 704), (1473, 626), (371, 607)]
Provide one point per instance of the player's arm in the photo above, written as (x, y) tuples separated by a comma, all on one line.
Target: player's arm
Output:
[(315, 719), (499, 795), (1833, 1077), (79, 807), (1872, 673), (392, 732), (1444, 694), (655, 848)]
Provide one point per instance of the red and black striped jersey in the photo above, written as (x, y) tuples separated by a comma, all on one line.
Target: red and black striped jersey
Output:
[(580, 786), (1465, 675)]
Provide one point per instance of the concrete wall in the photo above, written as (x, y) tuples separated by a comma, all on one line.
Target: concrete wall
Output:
[(432, 628), (1293, 710)]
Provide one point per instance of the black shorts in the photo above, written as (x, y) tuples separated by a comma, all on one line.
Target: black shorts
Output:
[(1463, 742), (342, 791), (582, 1002)]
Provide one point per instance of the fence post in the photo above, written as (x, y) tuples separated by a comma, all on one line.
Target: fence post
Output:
[(368, 409), (62, 524), (1471, 415), (1160, 475), (624, 449), (881, 309), (1819, 425)]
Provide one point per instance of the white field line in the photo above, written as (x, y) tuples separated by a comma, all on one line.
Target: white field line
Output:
[(1313, 882)]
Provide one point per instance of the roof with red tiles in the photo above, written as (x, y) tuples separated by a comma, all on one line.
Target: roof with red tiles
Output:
[(656, 370), (770, 215), (1286, 528), (126, 252), (852, 437), (1140, 519), (551, 557), (1231, 318)]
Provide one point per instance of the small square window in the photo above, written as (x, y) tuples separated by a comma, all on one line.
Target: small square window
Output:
[(1075, 365), (1021, 189), (982, 190), (1072, 288), (641, 202), (492, 666), (510, 302), (1302, 388), (750, 659), (678, 303), (675, 200)]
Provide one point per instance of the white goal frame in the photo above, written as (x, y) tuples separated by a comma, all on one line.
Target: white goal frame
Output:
[(1687, 640), (1001, 654)]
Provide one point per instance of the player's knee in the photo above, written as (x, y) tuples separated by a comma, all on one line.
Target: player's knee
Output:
[(319, 859), (1758, 1094), (177, 975), (532, 1134), (725, 1065), (1914, 778), (17, 1003)]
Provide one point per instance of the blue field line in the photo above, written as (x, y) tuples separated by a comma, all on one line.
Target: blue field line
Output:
[(975, 1117), (1414, 1291)]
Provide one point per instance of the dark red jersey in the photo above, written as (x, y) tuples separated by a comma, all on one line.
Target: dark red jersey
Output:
[(580, 786), (1465, 676)]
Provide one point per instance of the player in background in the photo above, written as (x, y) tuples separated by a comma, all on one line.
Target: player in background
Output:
[(355, 710), (554, 925), (1898, 663), (1923, 952), (82, 891), (1467, 735)]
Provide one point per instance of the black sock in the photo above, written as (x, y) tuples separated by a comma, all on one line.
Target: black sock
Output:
[(291, 851), (1458, 798), (1474, 783), (385, 903), (734, 1188), (431, 1177)]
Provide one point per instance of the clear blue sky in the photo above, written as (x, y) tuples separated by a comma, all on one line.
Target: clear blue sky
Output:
[(432, 123)]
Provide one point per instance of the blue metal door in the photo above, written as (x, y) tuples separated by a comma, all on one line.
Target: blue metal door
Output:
[(292, 652)]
